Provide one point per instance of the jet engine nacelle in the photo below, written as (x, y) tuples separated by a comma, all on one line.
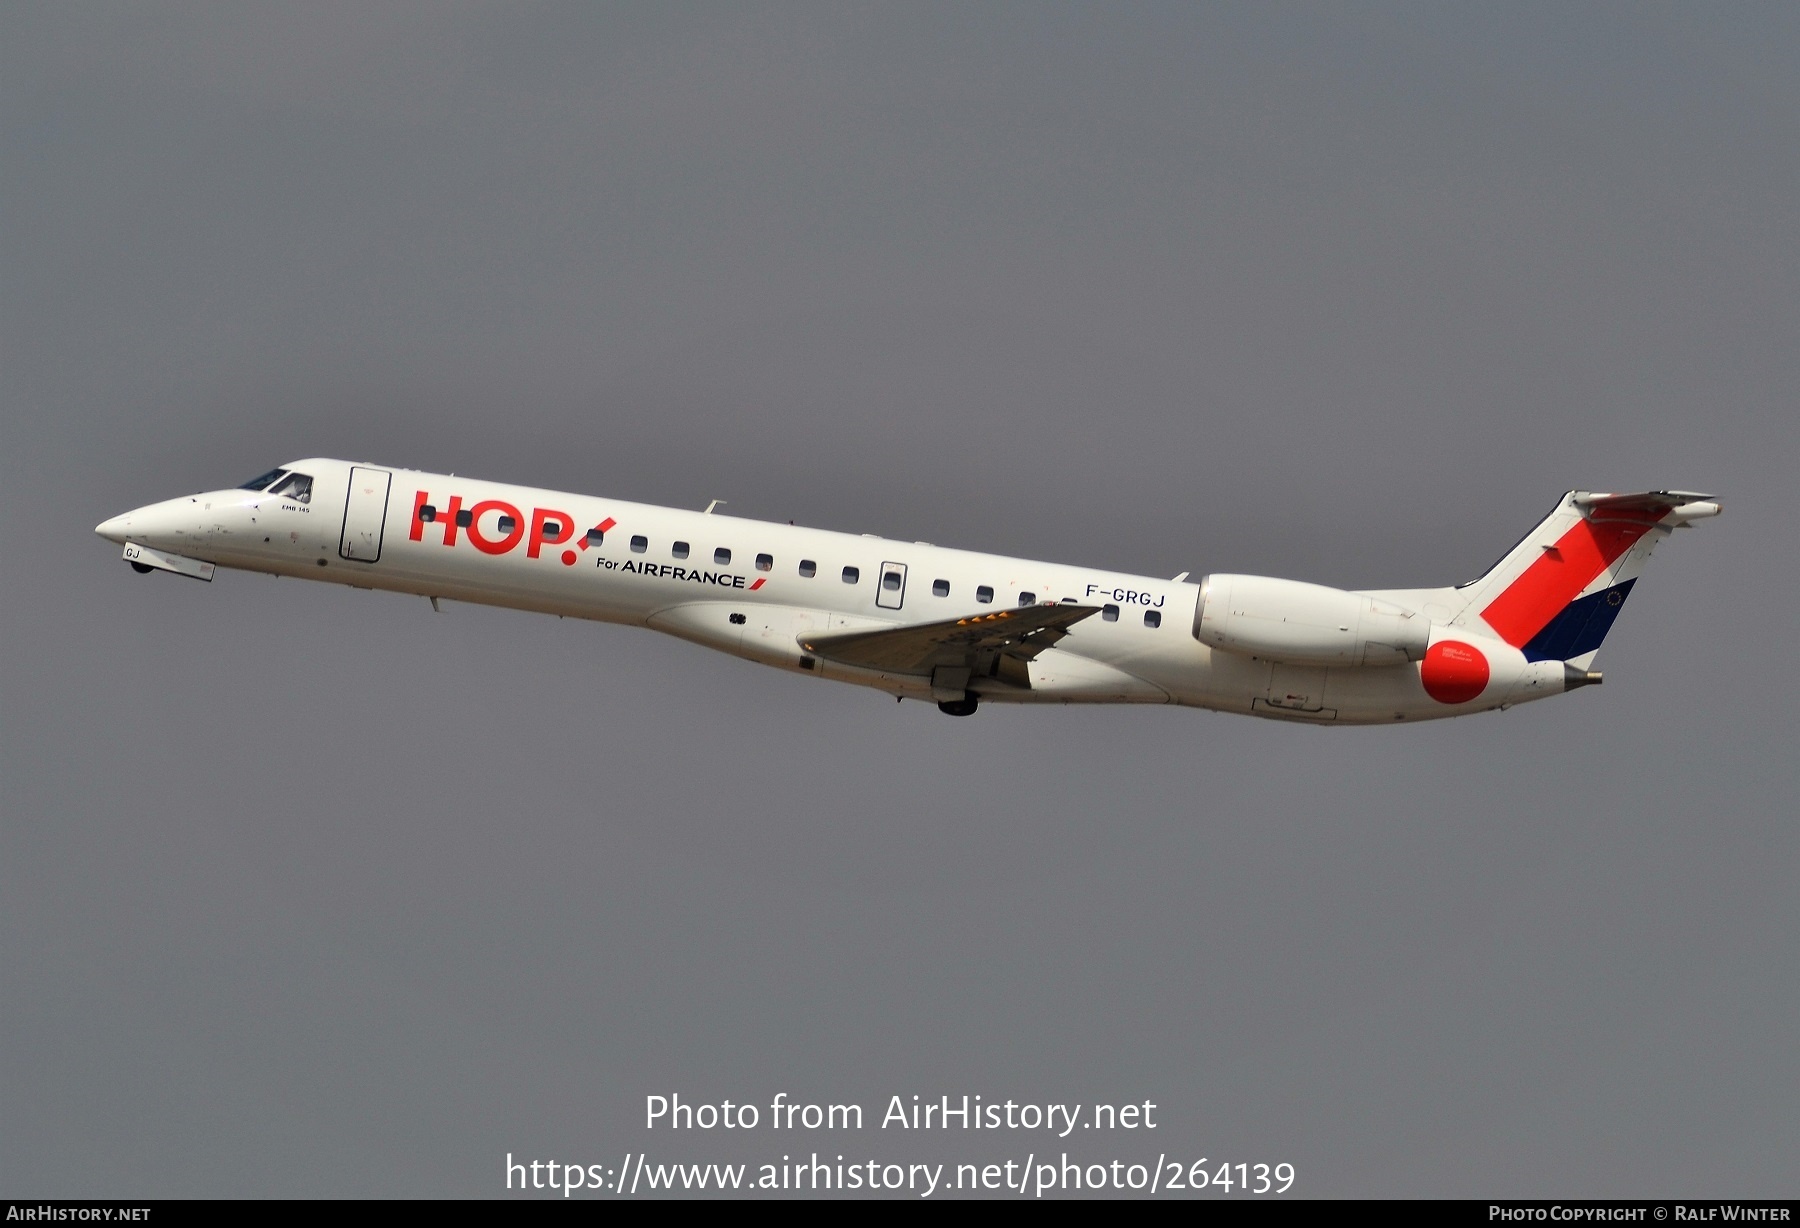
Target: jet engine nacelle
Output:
[(1306, 624)]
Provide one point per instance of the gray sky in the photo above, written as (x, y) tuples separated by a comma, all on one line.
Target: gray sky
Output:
[(307, 891)]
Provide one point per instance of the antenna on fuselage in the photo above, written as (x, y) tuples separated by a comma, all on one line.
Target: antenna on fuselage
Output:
[(711, 506)]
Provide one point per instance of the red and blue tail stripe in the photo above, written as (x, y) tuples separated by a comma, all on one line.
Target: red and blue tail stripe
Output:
[(1581, 626), (1543, 614)]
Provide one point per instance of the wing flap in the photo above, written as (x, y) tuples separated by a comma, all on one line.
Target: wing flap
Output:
[(969, 643)]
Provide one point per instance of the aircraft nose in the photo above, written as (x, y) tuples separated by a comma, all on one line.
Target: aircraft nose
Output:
[(157, 524)]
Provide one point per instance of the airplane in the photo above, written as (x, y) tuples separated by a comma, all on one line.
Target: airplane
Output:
[(924, 622)]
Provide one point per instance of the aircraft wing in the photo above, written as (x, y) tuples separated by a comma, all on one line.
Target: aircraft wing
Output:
[(975, 643)]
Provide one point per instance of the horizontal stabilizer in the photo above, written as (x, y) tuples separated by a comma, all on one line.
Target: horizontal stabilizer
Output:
[(1647, 507), (970, 642)]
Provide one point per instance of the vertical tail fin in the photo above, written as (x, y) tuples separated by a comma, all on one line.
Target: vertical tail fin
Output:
[(1555, 594)]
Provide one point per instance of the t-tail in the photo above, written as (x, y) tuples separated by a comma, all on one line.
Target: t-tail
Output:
[(1554, 595)]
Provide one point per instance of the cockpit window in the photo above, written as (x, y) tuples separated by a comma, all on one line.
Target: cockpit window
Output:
[(296, 486), (262, 483)]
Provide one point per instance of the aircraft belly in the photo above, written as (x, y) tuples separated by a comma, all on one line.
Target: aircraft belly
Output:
[(769, 634), (1355, 695), (1060, 676)]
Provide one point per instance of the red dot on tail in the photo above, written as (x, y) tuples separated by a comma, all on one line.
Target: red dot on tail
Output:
[(1453, 672), (568, 558)]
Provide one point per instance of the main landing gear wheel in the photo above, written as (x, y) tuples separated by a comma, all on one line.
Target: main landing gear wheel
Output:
[(960, 707), (143, 569)]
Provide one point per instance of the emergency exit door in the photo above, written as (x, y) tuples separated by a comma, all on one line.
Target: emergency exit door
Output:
[(892, 591), (365, 514)]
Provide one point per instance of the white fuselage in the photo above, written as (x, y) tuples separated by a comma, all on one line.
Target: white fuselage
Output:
[(759, 590)]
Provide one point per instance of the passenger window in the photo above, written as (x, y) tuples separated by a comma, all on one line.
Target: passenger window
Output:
[(296, 486), (465, 518), (721, 556), (679, 550), (508, 524), (1152, 618), (851, 575), (984, 594), (808, 568), (428, 513), (940, 588), (890, 580), (639, 543), (1110, 613), (262, 481), (596, 536), (1027, 598), (765, 562), (552, 528)]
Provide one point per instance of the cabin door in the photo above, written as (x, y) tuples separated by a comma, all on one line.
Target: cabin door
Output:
[(365, 514)]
